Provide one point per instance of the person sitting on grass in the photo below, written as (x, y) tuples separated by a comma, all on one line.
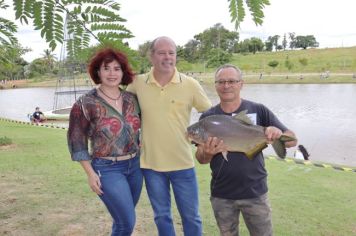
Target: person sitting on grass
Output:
[(37, 116)]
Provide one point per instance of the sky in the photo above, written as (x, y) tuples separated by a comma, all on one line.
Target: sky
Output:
[(331, 22)]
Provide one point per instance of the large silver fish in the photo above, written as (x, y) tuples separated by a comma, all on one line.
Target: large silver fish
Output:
[(238, 134)]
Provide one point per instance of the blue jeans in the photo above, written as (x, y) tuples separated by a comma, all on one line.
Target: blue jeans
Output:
[(122, 184), (185, 189)]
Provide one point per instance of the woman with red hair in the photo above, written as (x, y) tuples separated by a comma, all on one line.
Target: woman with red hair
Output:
[(108, 119)]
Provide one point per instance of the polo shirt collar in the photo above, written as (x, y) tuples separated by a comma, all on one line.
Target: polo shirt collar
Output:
[(176, 79)]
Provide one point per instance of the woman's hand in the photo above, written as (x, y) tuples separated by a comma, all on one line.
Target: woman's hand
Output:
[(94, 183), (93, 178)]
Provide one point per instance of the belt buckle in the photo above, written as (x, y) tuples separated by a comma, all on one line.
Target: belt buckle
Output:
[(126, 157), (131, 155)]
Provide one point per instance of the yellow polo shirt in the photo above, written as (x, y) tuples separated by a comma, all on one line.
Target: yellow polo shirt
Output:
[(165, 117)]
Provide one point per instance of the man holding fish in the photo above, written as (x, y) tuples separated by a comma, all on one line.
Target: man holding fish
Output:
[(231, 136)]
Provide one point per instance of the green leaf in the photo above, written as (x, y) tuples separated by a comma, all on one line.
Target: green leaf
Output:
[(237, 10), (98, 17)]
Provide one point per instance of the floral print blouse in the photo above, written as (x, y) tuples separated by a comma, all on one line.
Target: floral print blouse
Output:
[(95, 123)]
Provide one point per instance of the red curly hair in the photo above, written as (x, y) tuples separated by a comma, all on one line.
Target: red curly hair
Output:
[(105, 56)]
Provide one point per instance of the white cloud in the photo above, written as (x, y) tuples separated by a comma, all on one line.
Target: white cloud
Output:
[(329, 21)]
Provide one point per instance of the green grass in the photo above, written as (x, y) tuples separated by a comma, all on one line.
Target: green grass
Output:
[(335, 60), (44, 193), (319, 60), (5, 141)]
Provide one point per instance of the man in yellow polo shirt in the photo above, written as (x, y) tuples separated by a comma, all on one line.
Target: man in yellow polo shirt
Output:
[(166, 98)]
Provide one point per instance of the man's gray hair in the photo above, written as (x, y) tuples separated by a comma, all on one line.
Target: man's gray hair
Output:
[(228, 66), (152, 45)]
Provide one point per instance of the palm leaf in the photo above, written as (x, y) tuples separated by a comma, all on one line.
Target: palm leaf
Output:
[(88, 18), (237, 10), (7, 28)]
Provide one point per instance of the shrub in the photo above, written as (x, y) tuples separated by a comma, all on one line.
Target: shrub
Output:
[(303, 61), (5, 141), (273, 63)]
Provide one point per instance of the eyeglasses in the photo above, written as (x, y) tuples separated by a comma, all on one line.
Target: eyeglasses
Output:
[(228, 82)]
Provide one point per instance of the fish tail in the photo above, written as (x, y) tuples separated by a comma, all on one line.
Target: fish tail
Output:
[(279, 148), (286, 138)]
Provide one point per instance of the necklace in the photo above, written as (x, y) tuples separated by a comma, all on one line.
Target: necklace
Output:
[(114, 99)]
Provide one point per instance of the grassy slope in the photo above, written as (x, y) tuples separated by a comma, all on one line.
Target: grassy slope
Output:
[(319, 60), (44, 193)]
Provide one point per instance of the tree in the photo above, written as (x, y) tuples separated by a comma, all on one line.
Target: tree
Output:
[(216, 37), (218, 57), (191, 50), (84, 18), (11, 66), (143, 51), (37, 67), (269, 44), (306, 41), (242, 47), (292, 41), (183, 65), (99, 18), (249, 45), (256, 45), (279, 47), (7, 28), (274, 40), (284, 42), (49, 59)]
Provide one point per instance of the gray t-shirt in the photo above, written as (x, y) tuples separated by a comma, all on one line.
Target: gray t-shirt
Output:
[(240, 177)]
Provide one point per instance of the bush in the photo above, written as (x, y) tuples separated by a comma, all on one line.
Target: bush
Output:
[(303, 61), (273, 63), (183, 65), (5, 141)]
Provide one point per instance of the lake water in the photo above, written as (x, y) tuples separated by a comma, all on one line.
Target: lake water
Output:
[(322, 115)]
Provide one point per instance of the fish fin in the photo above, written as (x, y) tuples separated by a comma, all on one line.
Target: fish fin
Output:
[(258, 148), (242, 116), (224, 155), (250, 156), (279, 148)]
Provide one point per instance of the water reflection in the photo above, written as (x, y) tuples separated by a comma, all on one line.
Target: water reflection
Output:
[(321, 115)]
